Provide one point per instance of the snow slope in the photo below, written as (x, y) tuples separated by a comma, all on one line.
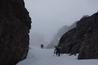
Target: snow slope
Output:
[(37, 56)]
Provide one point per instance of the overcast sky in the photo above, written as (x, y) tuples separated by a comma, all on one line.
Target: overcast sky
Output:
[(48, 16)]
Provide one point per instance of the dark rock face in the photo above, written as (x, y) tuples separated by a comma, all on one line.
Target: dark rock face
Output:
[(82, 39), (15, 24)]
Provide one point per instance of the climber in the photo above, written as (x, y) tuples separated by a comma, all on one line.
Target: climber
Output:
[(42, 45), (57, 51)]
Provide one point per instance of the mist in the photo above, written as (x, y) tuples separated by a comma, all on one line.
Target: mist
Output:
[(48, 16)]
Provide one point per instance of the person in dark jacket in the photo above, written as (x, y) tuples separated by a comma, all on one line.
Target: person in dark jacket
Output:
[(57, 51), (42, 45)]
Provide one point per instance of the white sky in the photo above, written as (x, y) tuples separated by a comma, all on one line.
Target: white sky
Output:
[(48, 16)]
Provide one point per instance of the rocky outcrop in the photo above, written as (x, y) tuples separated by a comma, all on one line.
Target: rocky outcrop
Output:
[(82, 39), (59, 34), (15, 24), (57, 37)]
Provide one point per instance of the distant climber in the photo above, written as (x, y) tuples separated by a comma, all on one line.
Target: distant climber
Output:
[(42, 46), (57, 51)]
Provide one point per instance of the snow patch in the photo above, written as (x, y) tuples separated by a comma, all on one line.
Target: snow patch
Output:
[(38, 56)]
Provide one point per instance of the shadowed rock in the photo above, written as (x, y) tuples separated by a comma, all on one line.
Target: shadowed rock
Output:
[(82, 39), (15, 24)]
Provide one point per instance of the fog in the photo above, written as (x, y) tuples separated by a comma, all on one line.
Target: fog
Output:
[(48, 16)]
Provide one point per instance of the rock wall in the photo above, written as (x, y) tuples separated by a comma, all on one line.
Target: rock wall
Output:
[(82, 39), (15, 25)]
